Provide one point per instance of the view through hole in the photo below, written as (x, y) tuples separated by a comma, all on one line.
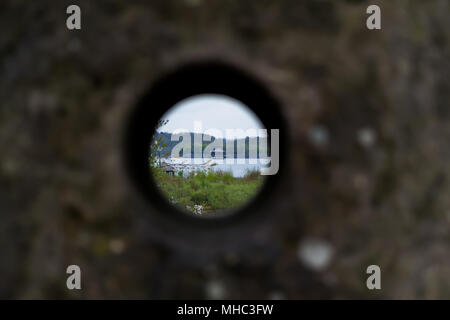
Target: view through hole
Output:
[(206, 155)]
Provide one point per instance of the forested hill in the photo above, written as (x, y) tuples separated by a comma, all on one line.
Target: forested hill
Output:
[(206, 140)]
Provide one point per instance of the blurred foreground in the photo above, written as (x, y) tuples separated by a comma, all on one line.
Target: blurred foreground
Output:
[(367, 181)]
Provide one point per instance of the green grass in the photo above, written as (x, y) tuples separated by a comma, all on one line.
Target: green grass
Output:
[(213, 190)]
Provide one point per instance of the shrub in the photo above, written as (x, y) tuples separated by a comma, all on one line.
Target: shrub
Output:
[(212, 190)]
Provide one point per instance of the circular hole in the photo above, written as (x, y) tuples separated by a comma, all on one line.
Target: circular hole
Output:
[(206, 155), (195, 84)]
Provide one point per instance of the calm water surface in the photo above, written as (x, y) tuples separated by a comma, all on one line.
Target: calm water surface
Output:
[(238, 167)]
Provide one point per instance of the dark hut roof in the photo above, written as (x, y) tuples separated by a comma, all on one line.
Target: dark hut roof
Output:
[(167, 167)]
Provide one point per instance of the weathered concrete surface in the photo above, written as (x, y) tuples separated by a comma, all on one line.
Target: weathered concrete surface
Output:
[(368, 116)]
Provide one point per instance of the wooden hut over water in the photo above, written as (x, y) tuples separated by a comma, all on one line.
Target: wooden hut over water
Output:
[(168, 168)]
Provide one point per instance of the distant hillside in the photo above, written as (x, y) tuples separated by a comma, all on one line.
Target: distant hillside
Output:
[(260, 145)]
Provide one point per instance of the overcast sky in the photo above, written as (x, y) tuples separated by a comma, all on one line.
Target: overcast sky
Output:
[(214, 111)]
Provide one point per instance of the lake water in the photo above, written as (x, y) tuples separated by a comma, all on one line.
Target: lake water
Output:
[(238, 167)]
